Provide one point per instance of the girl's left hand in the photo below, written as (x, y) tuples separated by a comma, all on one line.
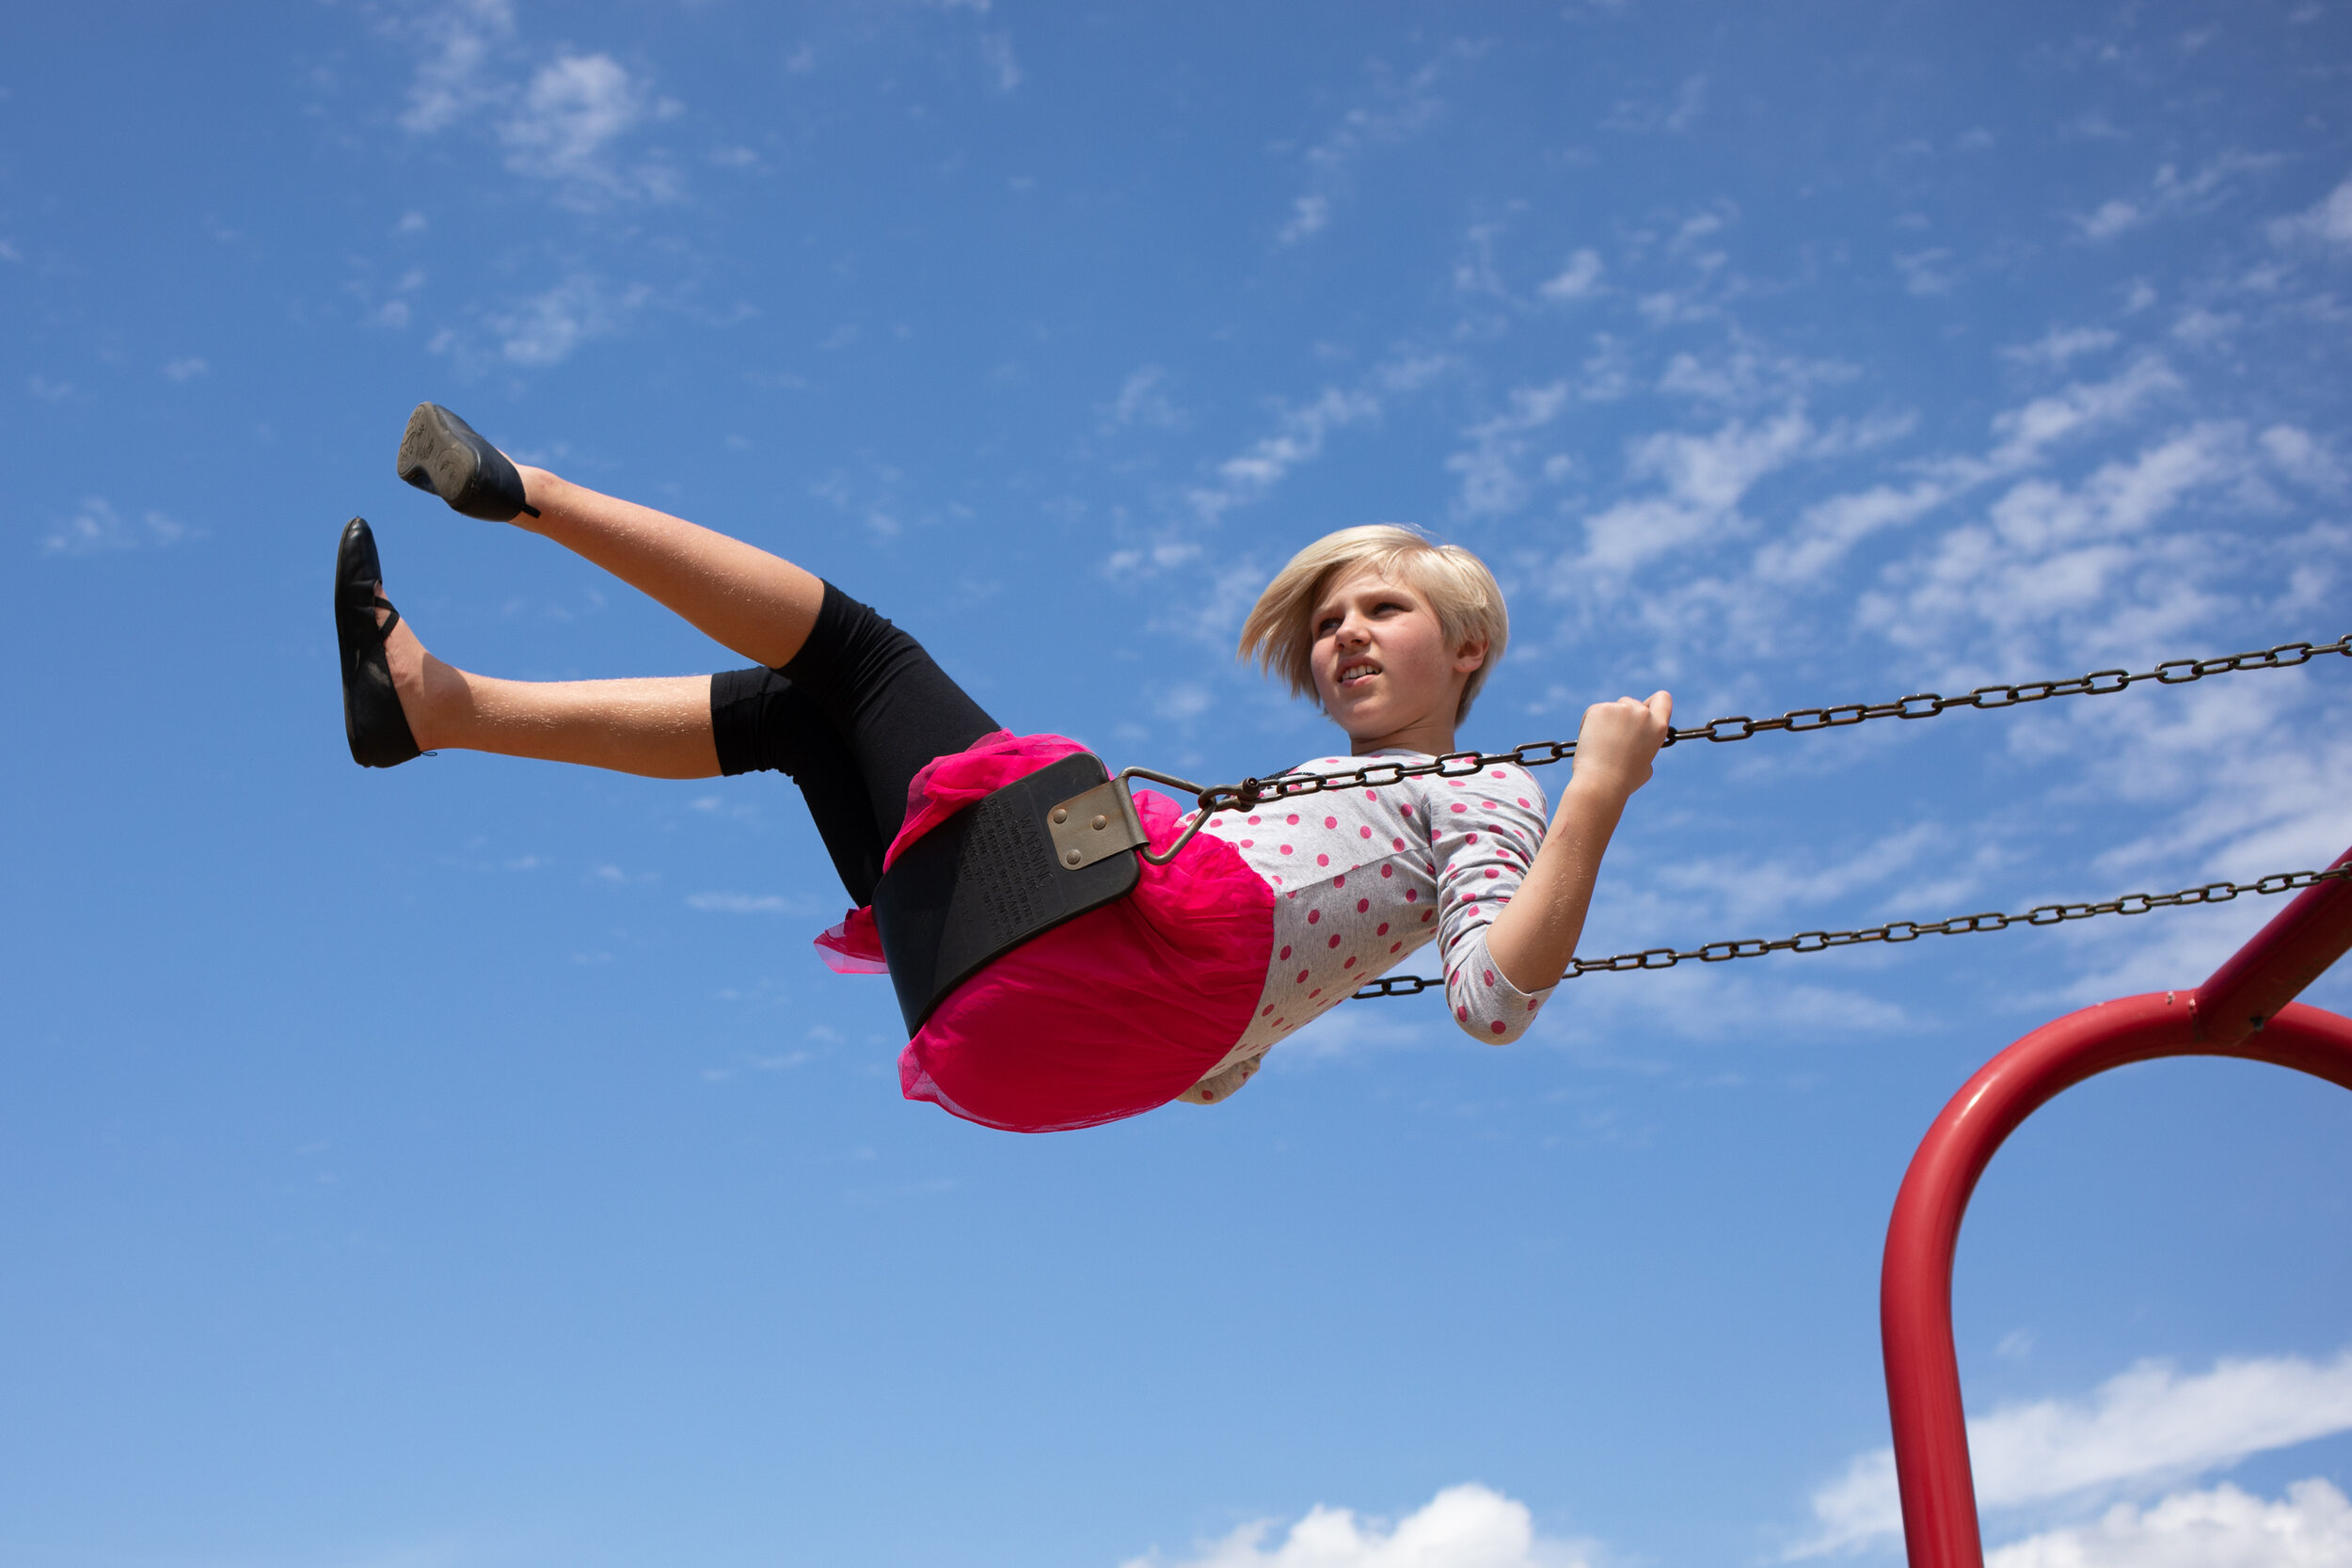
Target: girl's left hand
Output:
[(1619, 740)]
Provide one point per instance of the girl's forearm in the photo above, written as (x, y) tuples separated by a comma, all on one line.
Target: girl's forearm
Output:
[(1534, 937)]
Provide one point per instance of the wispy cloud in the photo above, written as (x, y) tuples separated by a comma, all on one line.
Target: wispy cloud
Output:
[(544, 329), (95, 527), (561, 120), (2147, 1425), (2169, 193), (1462, 1526), (2225, 1527), (1397, 110), (2326, 222)]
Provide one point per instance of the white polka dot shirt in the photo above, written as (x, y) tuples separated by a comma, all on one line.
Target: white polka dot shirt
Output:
[(1362, 878)]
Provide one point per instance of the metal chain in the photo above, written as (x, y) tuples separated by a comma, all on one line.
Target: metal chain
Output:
[(1900, 931), (1926, 704)]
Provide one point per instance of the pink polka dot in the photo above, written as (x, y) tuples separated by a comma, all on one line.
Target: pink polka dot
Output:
[(1395, 947), (1363, 904), (1406, 810), (1372, 795), (1462, 1013), (1312, 994), (1277, 882), (1400, 843), (1335, 939), (1383, 930), (1351, 962), (1490, 977), (1292, 819), (1285, 952), (1207, 1095), (1412, 895), (1387, 871), (1531, 1007), (1458, 806), (1339, 880), (1322, 860), (1286, 849), (1331, 821), (1365, 832), (1523, 803), (1248, 843), (1280, 1021), (1267, 1009), (1428, 915), (1496, 1026), (1313, 915), (1492, 873), (1254, 821), (1302, 976), (1471, 839), (1498, 772)]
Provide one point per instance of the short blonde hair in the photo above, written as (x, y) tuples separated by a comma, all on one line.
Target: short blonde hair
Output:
[(1279, 633)]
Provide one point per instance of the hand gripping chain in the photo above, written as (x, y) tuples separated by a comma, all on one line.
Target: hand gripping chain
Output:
[(1899, 930)]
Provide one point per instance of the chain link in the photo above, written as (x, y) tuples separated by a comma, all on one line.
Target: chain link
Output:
[(1803, 721), (1900, 931)]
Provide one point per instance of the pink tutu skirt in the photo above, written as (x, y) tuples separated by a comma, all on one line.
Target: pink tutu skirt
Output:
[(1106, 1016)]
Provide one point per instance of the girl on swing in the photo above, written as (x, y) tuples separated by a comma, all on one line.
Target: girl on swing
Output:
[(1266, 920)]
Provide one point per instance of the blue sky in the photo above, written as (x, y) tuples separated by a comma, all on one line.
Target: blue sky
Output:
[(472, 1164)]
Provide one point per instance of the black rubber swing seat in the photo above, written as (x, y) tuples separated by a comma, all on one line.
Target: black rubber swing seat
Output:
[(988, 880)]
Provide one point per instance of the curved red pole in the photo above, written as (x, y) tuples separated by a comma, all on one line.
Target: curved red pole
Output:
[(2243, 1010)]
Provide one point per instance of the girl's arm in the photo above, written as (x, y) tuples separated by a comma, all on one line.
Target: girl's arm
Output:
[(1534, 937)]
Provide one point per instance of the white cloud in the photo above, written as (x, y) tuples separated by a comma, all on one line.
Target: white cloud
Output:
[(1579, 279), (458, 39), (185, 369), (571, 112), (739, 903), (96, 529), (545, 328), (2310, 1528), (1397, 112), (1004, 70), (1310, 215), (2146, 1424), (1298, 439), (1140, 401), (2055, 348), (1462, 1526), (2170, 194), (2048, 555), (1676, 112), (1491, 483), (1702, 479), (562, 124), (2326, 222)]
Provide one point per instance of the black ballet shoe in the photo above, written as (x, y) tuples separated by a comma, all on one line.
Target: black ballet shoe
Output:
[(373, 721), (440, 453)]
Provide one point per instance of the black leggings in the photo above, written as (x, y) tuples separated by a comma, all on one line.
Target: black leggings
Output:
[(851, 719)]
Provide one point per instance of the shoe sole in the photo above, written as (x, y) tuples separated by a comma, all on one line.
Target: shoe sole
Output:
[(434, 458)]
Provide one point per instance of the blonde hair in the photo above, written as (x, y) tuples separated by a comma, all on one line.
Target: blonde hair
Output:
[(1280, 635)]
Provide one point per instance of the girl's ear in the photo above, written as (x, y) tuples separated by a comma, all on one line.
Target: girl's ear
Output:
[(1472, 659)]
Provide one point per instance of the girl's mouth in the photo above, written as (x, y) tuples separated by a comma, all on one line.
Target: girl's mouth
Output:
[(1356, 673)]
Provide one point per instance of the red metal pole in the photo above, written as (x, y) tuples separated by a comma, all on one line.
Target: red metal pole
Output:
[(2244, 1010)]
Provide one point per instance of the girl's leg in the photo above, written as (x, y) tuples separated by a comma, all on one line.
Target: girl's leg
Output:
[(658, 728), (737, 594), (670, 727), (891, 706)]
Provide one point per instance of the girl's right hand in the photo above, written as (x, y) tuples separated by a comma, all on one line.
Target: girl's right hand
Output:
[(1619, 740)]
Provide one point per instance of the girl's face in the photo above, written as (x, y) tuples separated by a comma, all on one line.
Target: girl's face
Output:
[(1381, 665)]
